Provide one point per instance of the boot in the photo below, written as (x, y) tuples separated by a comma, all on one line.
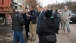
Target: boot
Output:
[(69, 34)]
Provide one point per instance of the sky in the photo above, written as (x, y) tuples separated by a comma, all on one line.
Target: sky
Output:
[(46, 2)]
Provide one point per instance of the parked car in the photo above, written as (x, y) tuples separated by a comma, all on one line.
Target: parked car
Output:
[(74, 12), (73, 18)]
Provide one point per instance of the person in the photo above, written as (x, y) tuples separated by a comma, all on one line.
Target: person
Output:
[(61, 21), (17, 27), (45, 8), (27, 21), (32, 16), (46, 28), (41, 15), (57, 20), (66, 15), (10, 20)]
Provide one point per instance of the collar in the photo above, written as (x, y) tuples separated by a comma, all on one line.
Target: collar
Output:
[(41, 10), (66, 10)]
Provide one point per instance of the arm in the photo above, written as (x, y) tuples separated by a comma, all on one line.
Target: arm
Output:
[(20, 19), (34, 15), (70, 14), (61, 14)]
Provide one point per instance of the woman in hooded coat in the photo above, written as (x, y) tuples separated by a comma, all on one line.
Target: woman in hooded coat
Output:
[(47, 27)]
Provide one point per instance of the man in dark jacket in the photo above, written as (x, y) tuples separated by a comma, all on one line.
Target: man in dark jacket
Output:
[(41, 16), (26, 22), (47, 27), (32, 16), (57, 20), (17, 27)]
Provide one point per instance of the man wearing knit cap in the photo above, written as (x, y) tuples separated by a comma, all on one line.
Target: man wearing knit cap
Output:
[(66, 15)]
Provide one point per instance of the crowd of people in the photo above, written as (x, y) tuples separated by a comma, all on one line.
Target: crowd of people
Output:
[(42, 21)]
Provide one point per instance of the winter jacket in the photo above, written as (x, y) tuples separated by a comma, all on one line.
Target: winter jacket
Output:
[(33, 15), (17, 22), (46, 28)]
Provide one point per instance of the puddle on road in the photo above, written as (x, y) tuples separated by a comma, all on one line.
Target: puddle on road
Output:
[(8, 37)]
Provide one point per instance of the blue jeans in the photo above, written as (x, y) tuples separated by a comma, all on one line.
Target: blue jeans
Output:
[(18, 36)]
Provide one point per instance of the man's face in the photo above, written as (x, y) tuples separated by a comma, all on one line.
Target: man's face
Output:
[(45, 8), (65, 9), (39, 9), (30, 8)]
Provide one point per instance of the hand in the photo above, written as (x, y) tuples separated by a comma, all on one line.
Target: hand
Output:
[(66, 18), (28, 15)]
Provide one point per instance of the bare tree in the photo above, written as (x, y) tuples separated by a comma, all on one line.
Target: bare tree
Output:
[(32, 3), (70, 4)]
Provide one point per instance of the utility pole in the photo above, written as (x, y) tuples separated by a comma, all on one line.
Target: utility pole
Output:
[(56, 1), (70, 0)]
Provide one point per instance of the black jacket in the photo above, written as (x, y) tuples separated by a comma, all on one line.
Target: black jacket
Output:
[(27, 21), (46, 28), (17, 22), (33, 15), (57, 16)]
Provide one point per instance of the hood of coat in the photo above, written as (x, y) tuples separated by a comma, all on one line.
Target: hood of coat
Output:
[(50, 22)]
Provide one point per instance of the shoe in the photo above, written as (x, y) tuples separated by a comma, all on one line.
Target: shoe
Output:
[(69, 34), (33, 40), (38, 42), (57, 33), (29, 38)]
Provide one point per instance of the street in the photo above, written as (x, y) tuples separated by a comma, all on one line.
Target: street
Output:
[(6, 35)]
